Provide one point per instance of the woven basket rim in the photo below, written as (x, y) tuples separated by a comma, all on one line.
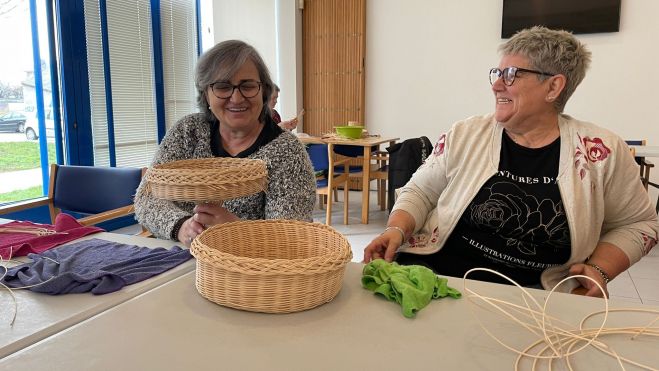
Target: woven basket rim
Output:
[(207, 179), (275, 266), (219, 171)]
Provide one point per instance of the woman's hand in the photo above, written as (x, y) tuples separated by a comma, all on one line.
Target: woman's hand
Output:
[(205, 215), (208, 214), (383, 246), (588, 287), (189, 230)]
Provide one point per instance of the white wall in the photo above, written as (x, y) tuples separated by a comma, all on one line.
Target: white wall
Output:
[(252, 21), (274, 29), (427, 64)]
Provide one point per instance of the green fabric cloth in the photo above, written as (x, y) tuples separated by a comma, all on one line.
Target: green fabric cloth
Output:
[(411, 286)]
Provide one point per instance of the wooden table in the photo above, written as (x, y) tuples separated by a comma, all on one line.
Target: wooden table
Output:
[(172, 327), (41, 315), (366, 143)]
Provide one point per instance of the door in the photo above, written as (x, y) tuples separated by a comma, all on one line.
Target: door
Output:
[(333, 62)]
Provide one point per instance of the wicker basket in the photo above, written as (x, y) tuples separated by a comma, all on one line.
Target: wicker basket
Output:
[(271, 266), (207, 179)]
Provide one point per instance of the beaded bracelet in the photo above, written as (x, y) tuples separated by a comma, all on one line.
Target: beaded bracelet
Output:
[(399, 229), (173, 235), (601, 271)]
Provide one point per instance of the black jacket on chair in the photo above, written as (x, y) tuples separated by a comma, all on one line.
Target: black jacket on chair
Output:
[(404, 159)]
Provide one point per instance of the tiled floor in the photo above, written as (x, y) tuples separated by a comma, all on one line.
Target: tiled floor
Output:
[(640, 284)]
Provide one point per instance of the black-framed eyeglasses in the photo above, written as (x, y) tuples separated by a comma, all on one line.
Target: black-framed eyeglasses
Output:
[(509, 74), (224, 90)]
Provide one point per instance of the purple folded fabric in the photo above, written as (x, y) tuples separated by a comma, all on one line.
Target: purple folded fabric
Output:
[(95, 266)]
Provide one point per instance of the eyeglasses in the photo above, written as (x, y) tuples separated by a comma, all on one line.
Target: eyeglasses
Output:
[(509, 74), (224, 90)]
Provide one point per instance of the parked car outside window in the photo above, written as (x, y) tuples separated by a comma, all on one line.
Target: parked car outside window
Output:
[(32, 126), (12, 121)]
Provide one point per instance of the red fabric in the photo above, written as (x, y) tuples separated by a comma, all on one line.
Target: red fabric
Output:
[(275, 116), (14, 244)]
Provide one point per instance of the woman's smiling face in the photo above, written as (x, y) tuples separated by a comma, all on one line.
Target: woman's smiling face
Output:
[(522, 100), (238, 112)]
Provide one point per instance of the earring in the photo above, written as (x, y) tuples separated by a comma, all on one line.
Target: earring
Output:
[(550, 98), (209, 107)]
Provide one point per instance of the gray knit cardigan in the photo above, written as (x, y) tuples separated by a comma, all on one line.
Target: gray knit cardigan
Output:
[(290, 193)]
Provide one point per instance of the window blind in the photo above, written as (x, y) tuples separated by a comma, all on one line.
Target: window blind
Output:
[(131, 69), (179, 46), (132, 75), (98, 110)]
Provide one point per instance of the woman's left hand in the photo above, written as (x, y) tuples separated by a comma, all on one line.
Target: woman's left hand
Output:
[(208, 214), (588, 287)]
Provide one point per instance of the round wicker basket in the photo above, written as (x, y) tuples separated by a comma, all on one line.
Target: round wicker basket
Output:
[(270, 266), (207, 179)]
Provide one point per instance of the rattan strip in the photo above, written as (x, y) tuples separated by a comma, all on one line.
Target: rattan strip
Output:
[(207, 179), (271, 266)]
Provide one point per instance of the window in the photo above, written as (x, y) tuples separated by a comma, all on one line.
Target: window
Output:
[(179, 45), (140, 57), (25, 98), (127, 97), (122, 84)]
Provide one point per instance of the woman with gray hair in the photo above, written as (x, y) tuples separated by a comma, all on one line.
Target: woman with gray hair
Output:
[(527, 191), (233, 86)]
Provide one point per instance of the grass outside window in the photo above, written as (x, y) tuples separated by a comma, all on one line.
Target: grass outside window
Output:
[(16, 156)]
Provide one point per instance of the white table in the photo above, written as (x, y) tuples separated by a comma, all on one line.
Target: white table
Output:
[(646, 151), (173, 328), (41, 315)]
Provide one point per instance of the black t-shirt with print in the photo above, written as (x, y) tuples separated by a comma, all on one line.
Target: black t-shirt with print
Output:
[(515, 224)]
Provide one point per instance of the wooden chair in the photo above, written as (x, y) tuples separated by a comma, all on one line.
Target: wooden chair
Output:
[(380, 173), (656, 186), (327, 180), (379, 170), (99, 193), (644, 164), (647, 182)]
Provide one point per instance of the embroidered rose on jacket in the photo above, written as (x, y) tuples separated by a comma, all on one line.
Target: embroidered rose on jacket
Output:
[(595, 149), (648, 243), (439, 147), (589, 151), (422, 240)]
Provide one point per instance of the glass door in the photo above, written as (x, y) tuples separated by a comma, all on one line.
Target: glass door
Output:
[(28, 120)]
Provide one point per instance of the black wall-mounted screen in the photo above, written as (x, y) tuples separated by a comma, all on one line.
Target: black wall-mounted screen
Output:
[(578, 16)]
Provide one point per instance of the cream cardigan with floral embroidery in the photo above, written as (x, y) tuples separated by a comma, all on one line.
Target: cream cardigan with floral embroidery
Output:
[(597, 179)]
